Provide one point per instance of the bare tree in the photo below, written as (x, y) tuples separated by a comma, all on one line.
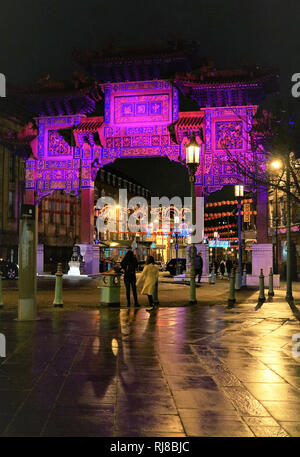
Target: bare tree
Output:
[(273, 141)]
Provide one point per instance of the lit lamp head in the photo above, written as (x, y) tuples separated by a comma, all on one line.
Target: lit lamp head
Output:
[(239, 191), (276, 164), (216, 234), (193, 152)]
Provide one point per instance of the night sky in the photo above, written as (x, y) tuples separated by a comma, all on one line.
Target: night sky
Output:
[(38, 37)]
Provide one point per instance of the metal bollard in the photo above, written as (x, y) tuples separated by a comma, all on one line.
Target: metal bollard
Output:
[(213, 276), (237, 279), (1, 302), (244, 278), (58, 301), (261, 298), (271, 289), (231, 299)]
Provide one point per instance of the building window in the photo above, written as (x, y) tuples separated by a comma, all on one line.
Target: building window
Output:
[(40, 213), (295, 213), (51, 214), (62, 216), (11, 204), (72, 218), (11, 167)]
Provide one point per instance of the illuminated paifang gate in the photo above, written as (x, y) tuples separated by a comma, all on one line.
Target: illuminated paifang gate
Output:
[(143, 119)]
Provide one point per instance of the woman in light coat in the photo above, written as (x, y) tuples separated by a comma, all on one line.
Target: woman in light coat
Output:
[(150, 277)]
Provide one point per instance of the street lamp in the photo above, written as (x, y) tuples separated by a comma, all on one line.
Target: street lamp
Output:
[(171, 244), (216, 234), (277, 164), (176, 222), (192, 161), (239, 193), (117, 208)]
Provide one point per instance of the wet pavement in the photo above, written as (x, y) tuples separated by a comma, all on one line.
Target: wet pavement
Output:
[(185, 371)]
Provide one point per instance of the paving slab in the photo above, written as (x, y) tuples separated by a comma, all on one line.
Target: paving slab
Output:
[(180, 371)]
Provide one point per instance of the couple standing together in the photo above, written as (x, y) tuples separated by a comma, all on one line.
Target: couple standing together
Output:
[(149, 276)]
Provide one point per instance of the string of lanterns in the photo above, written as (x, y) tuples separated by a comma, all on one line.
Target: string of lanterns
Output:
[(210, 216), (219, 227), (227, 202)]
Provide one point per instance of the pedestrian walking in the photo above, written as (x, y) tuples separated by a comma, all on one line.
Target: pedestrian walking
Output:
[(129, 264), (229, 267), (216, 265), (198, 266), (150, 277), (222, 268)]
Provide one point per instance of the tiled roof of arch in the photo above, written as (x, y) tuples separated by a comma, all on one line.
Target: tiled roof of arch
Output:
[(190, 120), (91, 124)]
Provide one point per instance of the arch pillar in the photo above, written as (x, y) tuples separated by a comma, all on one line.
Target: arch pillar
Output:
[(89, 251), (262, 215), (87, 215)]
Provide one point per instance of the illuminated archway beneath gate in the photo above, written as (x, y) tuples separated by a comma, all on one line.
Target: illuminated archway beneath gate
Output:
[(141, 119)]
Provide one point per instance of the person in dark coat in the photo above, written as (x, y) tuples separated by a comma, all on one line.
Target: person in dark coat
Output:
[(222, 268), (216, 265), (228, 267), (129, 265), (198, 266)]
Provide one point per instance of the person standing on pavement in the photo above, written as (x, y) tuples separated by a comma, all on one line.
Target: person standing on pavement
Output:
[(222, 268), (216, 265), (150, 277), (198, 266), (229, 267), (129, 264)]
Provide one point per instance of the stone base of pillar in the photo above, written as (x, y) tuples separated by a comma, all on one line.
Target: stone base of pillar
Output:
[(74, 268), (185, 277), (91, 256), (253, 280), (40, 259), (262, 258)]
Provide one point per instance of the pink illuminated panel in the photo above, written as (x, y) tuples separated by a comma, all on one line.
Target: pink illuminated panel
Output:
[(142, 109)]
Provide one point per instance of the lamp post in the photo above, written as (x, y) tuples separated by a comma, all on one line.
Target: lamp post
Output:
[(192, 161), (276, 231), (239, 193), (171, 244), (216, 239), (289, 293), (176, 221), (277, 164), (117, 222)]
